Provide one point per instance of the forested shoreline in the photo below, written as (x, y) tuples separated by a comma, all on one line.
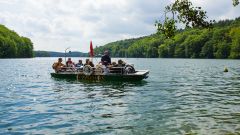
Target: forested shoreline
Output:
[(14, 46), (222, 41), (59, 54)]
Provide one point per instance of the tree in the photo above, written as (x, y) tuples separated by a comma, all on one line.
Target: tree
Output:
[(187, 14), (235, 48), (187, 43), (12, 45), (28, 47), (207, 50), (8, 48), (235, 2), (223, 50), (163, 51)]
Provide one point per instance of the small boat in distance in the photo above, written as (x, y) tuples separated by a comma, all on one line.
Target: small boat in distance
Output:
[(100, 73)]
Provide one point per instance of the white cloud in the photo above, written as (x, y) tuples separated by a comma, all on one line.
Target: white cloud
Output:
[(57, 24), (219, 10)]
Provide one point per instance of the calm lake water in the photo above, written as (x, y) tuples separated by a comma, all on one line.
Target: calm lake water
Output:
[(180, 96)]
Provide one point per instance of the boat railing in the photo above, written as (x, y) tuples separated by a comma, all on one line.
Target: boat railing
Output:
[(97, 70), (116, 70), (69, 68)]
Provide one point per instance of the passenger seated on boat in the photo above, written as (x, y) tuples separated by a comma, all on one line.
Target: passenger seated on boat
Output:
[(104, 68), (121, 63), (106, 60), (69, 63), (86, 62), (114, 68), (114, 64), (79, 64), (58, 66), (90, 63)]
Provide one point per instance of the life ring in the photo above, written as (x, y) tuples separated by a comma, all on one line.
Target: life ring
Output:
[(87, 70), (129, 69)]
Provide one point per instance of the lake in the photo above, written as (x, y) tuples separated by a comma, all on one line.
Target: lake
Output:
[(180, 96)]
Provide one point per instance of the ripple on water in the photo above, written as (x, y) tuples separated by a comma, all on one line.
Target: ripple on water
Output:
[(180, 96)]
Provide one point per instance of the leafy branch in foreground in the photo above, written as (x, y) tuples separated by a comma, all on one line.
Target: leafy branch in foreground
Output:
[(235, 2), (187, 14), (168, 28)]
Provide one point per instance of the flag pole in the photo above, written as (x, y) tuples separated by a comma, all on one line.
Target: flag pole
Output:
[(91, 51)]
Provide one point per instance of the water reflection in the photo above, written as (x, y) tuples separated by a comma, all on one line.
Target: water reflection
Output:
[(181, 96), (102, 105), (121, 86)]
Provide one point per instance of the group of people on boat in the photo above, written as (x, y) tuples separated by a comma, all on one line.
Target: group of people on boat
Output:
[(70, 65), (80, 64)]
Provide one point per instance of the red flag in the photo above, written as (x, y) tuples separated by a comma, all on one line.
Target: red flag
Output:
[(91, 50)]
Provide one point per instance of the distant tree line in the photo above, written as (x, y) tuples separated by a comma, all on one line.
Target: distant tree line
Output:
[(222, 41), (14, 46), (59, 54), (41, 54)]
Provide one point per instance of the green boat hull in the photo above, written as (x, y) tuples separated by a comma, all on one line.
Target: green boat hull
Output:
[(108, 77)]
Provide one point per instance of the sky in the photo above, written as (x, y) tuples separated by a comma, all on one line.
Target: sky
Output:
[(54, 25)]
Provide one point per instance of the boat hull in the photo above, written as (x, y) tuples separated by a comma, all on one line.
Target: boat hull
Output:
[(138, 76)]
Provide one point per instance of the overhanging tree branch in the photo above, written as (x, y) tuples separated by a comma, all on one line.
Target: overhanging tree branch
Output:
[(193, 17)]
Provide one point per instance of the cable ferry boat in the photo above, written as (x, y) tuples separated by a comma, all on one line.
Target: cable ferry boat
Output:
[(102, 73)]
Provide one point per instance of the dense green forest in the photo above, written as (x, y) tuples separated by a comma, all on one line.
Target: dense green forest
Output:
[(14, 46), (222, 41)]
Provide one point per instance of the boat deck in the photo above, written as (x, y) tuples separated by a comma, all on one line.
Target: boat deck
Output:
[(137, 76)]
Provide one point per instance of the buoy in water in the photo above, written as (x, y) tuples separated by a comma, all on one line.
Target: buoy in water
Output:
[(225, 69)]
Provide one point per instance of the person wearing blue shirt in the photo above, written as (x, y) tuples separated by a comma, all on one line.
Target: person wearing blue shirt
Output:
[(79, 64)]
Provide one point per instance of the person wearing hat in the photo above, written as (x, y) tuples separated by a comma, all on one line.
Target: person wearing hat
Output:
[(106, 60)]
